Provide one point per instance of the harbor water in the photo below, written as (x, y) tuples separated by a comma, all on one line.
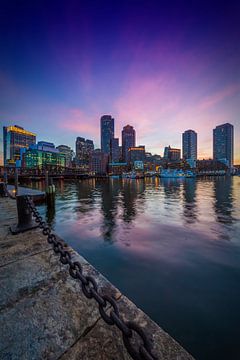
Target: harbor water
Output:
[(171, 245)]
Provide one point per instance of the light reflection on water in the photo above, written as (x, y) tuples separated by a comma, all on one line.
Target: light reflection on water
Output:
[(172, 246)]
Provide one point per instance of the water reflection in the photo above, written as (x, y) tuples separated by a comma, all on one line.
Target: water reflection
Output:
[(109, 196), (190, 204), (223, 199), (131, 191), (164, 229)]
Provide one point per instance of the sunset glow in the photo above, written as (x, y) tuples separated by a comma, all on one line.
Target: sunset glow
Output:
[(163, 69)]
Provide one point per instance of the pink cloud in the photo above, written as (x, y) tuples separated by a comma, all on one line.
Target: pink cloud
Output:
[(219, 96), (75, 120)]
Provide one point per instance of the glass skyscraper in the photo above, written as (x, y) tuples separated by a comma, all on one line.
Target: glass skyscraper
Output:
[(15, 138), (223, 143), (107, 133), (189, 145), (128, 140)]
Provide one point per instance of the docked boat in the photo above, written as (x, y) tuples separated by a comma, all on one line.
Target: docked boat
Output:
[(177, 174)]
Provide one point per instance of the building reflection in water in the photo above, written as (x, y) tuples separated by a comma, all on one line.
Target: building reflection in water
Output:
[(131, 190), (189, 201), (223, 199), (110, 198), (172, 187), (119, 196), (85, 195)]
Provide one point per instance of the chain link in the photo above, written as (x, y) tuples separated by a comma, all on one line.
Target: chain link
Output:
[(138, 351)]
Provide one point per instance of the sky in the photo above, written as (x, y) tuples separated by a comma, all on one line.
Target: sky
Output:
[(160, 66)]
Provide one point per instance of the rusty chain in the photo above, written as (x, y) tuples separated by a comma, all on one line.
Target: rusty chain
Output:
[(141, 351)]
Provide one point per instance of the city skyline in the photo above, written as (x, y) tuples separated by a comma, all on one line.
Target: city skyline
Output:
[(163, 69)]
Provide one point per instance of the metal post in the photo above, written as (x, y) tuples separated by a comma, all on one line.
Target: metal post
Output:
[(5, 176), (46, 180), (16, 181), (25, 221)]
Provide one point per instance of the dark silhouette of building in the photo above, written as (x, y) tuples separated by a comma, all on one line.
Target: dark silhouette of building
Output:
[(115, 153), (223, 143), (107, 133), (172, 154), (99, 162), (136, 153), (189, 146), (128, 140), (84, 150)]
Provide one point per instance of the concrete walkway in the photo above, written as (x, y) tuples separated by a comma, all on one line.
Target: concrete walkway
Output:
[(43, 312)]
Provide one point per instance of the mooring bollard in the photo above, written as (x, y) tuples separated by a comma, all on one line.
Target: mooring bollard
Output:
[(2, 189), (25, 221)]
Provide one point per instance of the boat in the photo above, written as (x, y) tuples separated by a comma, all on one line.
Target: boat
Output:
[(115, 176), (176, 173), (130, 175)]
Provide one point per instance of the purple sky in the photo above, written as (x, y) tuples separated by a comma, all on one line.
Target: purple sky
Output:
[(161, 68)]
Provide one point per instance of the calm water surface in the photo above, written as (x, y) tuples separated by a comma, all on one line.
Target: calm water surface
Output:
[(172, 246)]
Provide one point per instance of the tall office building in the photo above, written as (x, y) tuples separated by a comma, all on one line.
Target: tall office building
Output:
[(128, 140), (15, 138), (223, 143), (115, 152), (189, 145), (84, 150), (107, 133)]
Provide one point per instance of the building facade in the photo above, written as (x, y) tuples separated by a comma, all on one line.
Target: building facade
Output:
[(136, 153), (43, 155), (68, 153), (115, 152), (189, 146), (99, 162), (107, 133), (15, 138), (128, 140), (223, 143), (84, 150), (172, 154)]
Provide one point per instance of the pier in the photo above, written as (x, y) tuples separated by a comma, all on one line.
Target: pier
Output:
[(44, 313)]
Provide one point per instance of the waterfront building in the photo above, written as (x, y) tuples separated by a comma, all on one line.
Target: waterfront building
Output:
[(128, 140), (136, 153), (15, 138), (115, 154), (211, 167), (84, 150), (99, 162), (68, 153), (117, 168), (42, 155), (172, 154), (107, 133), (223, 143), (89, 148), (189, 147)]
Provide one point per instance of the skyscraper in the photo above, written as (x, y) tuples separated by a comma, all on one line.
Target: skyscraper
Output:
[(84, 150), (107, 133), (128, 140), (189, 145), (223, 143), (115, 152), (15, 138)]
